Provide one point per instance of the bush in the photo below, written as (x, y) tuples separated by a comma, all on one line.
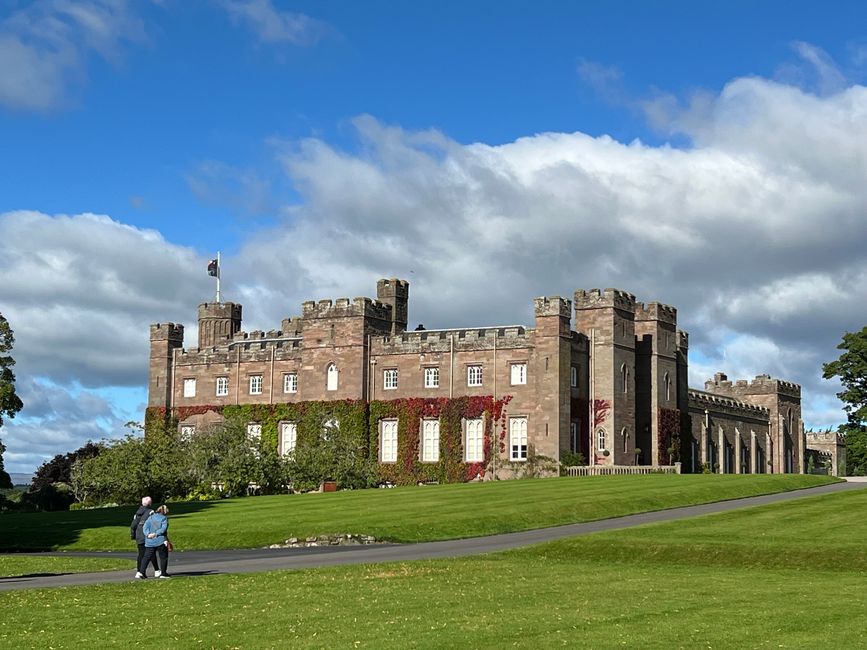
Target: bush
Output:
[(337, 457)]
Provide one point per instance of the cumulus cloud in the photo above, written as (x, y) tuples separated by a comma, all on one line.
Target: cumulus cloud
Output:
[(273, 26), (45, 45)]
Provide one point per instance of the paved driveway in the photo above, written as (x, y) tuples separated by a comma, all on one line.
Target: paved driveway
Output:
[(197, 563)]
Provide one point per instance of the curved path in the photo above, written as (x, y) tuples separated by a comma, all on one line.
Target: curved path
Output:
[(196, 563)]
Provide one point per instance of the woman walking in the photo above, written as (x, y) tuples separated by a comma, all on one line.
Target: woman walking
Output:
[(156, 530)]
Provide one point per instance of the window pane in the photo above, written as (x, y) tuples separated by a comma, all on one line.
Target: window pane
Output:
[(290, 382), (475, 440), (189, 387), (256, 385), (431, 377), (222, 386), (390, 379), (430, 441), (288, 437), (474, 376), (519, 373), (388, 445), (518, 438), (332, 377)]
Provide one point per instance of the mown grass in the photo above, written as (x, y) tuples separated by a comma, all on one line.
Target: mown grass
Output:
[(15, 565), (788, 575), (412, 514)]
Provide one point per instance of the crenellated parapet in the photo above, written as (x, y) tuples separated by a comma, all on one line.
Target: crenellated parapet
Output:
[(761, 385), (701, 400), (656, 311), (597, 299), (682, 340), (461, 340), (553, 306), (346, 308), (167, 332)]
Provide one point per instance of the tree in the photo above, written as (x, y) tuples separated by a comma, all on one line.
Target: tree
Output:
[(59, 468), (851, 368), (10, 403)]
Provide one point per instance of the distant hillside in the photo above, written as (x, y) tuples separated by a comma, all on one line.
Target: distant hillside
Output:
[(21, 479)]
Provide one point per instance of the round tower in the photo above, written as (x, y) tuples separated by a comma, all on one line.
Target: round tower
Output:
[(218, 322)]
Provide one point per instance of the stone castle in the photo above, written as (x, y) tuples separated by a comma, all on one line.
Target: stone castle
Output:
[(601, 375)]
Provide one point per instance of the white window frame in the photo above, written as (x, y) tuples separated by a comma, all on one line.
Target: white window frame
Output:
[(600, 439), (573, 376), (389, 379), (256, 382), (189, 387), (474, 374), (474, 440), (328, 425), (290, 382), (288, 438), (187, 431), (222, 383), (388, 441), (430, 441), (332, 377), (518, 446), (518, 373), (432, 377), (254, 432)]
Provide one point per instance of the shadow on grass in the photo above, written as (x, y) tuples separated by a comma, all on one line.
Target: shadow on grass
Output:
[(51, 531)]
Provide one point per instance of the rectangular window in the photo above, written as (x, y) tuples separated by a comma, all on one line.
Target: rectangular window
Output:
[(189, 387), (573, 437), (290, 382), (517, 439), (388, 441), (222, 386), (254, 432), (288, 438), (474, 375), (600, 440), (187, 432), (519, 373), (255, 384), (430, 441), (574, 377), (389, 379), (474, 448), (329, 428), (431, 377)]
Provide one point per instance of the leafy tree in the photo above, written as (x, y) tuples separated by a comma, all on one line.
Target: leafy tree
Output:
[(59, 468), (851, 368), (337, 456), (10, 403)]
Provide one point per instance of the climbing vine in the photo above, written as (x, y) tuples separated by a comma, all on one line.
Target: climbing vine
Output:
[(669, 436)]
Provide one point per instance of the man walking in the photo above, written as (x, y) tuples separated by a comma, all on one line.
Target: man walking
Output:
[(136, 533)]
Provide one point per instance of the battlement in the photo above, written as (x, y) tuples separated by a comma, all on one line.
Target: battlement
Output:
[(167, 332), (656, 311), (473, 338), (761, 385), (399, 287), (612, 298), (682, 340), (826, 437), (553, 306), (701, 399), (346, 308), (228, 310)]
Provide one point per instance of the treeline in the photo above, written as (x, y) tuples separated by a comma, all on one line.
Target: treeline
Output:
[(215, 463)]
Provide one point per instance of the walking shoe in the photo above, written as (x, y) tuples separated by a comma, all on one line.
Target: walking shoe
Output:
[(158, 574), (164, 576), (139, 575)]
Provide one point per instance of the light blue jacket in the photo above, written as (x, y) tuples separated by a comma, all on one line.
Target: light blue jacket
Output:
[(157, 523)]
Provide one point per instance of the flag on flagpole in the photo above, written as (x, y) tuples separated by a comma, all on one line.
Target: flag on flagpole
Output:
[(214, 269)]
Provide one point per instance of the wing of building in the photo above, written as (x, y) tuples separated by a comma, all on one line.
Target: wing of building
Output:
[(601, 375)]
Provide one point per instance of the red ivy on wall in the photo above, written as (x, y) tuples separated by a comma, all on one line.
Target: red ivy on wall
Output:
[(669, 436)]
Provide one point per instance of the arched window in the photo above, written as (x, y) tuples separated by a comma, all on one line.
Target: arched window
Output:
[(666, 384), (625, 435), (624, 377), (600, 439), (332, 377)]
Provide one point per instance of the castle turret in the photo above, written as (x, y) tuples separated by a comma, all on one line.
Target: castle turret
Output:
[(607, 319), (553, 357), (218, 322), (165, 339), (395, 292)]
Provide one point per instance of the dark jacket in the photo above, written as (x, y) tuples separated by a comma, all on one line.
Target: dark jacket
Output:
[(135, 530)]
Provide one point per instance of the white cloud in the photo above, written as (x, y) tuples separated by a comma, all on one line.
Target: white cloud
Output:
[(44, 47), (273, 26)]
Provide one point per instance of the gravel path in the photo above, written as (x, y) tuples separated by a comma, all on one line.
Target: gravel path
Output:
[(197, 563)]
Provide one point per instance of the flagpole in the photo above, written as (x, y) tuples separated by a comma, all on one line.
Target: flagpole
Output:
[(218, 278)]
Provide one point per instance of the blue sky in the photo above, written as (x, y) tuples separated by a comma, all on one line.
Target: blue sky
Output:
[(303, 132)]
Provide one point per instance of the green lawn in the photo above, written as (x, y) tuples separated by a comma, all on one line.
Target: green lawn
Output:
[(402, 514), (23, 565), (784, 576)]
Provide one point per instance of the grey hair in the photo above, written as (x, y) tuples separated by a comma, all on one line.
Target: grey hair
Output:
[(163, 509), (145, 501)]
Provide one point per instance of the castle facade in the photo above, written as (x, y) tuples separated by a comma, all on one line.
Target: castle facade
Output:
[(600, 375)]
